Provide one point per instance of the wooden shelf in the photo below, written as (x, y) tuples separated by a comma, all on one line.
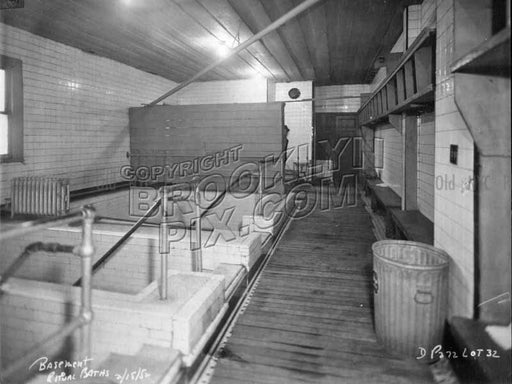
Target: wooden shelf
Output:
[(410, 86), (418, 101), (492, 57)]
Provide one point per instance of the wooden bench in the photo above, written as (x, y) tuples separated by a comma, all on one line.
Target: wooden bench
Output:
[(412, 225), (405, 225), (383, 199)]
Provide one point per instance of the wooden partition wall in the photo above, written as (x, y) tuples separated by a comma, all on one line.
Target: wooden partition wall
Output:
[(174, 143)]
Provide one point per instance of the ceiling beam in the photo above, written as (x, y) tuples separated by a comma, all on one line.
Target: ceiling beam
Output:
[(254, 15), (270, 28), (292, 36), (224, 13)]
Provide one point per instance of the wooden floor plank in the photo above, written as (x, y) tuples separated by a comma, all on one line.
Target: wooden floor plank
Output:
[(310, 317)]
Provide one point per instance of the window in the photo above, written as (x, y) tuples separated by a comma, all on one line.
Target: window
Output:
[(11, 110), (379, 153), (4, 148), (357, 153)]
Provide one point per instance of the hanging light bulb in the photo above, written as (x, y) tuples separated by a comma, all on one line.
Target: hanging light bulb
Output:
[(223, 50)]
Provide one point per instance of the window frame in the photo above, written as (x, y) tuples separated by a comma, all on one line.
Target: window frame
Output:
[(13, 108), (357, 153), (378, 151)]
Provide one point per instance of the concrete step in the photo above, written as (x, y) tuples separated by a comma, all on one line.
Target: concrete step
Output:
[(233, 275), (148, 366)]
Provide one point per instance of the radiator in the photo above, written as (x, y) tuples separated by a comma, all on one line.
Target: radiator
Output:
[(42, 196)]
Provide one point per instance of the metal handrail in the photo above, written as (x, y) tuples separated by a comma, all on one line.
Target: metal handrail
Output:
[(85, 251), (195, 235), (107, 255)]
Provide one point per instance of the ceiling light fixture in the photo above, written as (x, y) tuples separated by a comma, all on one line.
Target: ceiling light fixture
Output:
[(222, 49)]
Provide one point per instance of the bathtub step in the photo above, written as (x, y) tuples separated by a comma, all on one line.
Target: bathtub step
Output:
[(233, 276), (148, 366), (43, 379)]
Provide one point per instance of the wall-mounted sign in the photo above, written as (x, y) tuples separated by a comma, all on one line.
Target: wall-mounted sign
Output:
[(11, 4)]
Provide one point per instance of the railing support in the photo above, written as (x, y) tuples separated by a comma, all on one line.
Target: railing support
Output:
[(197, 242), (261, 186), (86, 251), (164, 246)]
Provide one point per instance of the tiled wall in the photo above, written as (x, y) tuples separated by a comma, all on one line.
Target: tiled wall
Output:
[(454, 214), (298, 116), (426, 151), (76, 109), (414, 23), (223, 92), (393, 154), (32, 313), (399, 46), (339, 105), (428, 12), (379, 77), (419, 17)]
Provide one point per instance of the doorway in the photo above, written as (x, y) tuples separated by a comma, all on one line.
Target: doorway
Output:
[(337, 144)]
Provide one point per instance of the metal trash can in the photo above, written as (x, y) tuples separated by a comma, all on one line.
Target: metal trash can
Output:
[(410, 282)]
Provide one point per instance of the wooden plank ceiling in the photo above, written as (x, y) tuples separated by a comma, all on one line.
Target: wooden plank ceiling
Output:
[(334, 42)]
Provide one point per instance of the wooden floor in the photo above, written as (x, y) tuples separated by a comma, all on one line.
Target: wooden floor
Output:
[(310, 318)]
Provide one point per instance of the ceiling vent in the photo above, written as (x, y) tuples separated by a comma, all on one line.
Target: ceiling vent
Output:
[(294, 93)]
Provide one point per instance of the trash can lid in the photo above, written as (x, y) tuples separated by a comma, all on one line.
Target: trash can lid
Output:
[(410, 253)]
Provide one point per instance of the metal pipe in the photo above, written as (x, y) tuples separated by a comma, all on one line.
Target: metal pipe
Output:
[(198, 259), (164, 248), (273, 26), (261, 186), (29, 250), (103, 259), (86, 252), (35, 225), (41, 348), (315, 99)]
